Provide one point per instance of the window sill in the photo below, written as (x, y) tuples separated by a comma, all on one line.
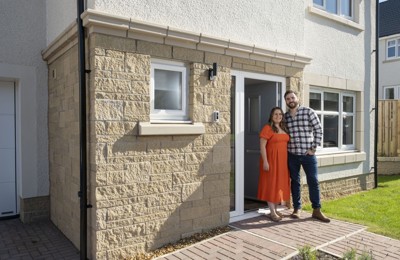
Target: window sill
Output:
[(146, 128), (336, 18), (340, 158), (397, 59)]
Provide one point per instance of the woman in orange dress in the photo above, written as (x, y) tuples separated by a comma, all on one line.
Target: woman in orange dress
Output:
[(274, 180)]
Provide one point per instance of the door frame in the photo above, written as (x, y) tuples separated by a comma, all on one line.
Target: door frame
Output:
[(15, 212), (240, 76)]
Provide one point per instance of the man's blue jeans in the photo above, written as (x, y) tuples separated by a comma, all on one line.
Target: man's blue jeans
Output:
[(309, 163)]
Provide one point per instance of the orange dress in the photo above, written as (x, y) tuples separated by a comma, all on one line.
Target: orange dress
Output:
[(274, 185)]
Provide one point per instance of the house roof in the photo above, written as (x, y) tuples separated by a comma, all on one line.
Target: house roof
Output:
[(389, 20)]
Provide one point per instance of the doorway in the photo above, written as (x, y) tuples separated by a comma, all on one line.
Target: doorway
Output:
[(8, 201), (254, 95)]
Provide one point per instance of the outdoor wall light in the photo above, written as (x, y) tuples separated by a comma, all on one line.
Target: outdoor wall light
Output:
[(212, 73)]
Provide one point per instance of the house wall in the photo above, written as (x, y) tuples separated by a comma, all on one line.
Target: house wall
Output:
[(64, 150), (258, 22), (148, 191), (59, 15), (23, 36), (338, 64), (151, 190)]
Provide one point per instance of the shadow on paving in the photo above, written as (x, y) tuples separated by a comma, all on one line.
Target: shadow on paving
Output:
[(38, 240)]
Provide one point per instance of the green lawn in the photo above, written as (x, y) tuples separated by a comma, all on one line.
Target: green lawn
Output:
[(378, 209)]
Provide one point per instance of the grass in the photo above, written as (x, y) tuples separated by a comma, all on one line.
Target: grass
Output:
[(378, 209)]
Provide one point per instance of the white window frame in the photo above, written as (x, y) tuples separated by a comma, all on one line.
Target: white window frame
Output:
[(396, 48), (341, 114), (165, 115), (338, 7), (396, 90)]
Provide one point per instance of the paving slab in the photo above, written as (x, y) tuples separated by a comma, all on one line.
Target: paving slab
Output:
[(38, 240), (261, 238)]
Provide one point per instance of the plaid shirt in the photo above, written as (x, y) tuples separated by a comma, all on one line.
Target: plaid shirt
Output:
[(305, 130)]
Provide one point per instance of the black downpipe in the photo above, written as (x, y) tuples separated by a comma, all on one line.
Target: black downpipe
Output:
[(376, 91), (82, 133)]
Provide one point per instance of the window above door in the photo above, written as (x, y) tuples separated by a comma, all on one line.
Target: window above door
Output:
[(346, 12), (342, 8)]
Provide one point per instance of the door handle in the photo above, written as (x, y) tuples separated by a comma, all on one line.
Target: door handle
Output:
[(252, 151)]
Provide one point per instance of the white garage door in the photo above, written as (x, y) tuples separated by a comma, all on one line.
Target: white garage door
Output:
[(7, 150)]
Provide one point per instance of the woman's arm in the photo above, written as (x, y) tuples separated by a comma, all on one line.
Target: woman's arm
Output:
[(263, 151)]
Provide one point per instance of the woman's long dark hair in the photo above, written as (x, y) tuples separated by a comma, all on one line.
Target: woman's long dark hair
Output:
[(282, 124)]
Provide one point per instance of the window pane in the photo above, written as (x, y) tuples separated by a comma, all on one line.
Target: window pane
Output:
[(331, 101), (331, 6), (319, 2), (331, 129), (167, 89), (391, 51), (254, 105), (348, 104), (345, 7), (389, 93), (348, 130), (398, 50), (315, 101)]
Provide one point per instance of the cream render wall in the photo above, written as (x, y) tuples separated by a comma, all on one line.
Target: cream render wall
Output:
[(263, 23), (59, 15), (22, 26), (343, 59)]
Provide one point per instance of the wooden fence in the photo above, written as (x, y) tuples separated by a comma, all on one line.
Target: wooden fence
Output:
[(389, 128)]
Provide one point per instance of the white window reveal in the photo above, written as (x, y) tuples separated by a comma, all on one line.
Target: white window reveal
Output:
[(393, 48), (336, 111), (169, 90), (339, 7)]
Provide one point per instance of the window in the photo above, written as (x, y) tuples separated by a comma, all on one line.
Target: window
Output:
[(168, 95), (391, 92), (393, 48), (338, 7), (336, 110)]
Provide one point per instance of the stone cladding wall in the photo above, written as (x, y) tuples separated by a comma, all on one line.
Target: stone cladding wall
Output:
[(63, 118)]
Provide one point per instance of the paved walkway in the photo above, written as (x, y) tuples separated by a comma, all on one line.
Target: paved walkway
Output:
[(260, 238), (254, 238), (39, 240)]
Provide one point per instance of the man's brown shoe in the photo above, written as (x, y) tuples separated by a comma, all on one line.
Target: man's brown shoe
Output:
[(296, 214), (317, 214)]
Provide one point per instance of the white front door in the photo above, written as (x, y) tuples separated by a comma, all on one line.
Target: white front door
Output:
[(8, 205), (255, 96)]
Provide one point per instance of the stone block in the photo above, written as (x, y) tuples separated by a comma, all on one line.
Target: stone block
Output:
[(187, 54), (192, 191), (275, 69), (154, 49)]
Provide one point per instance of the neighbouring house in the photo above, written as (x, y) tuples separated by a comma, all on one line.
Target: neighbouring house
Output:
[(389, 49), (177, 92), (389, 87)]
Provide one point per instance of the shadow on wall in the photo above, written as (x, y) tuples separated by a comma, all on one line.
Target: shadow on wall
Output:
[(158, 189)]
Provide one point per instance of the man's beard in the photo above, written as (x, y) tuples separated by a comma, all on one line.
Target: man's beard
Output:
[(293, 104)]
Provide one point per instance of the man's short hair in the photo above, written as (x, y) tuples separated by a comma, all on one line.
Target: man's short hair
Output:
[(289, 91)]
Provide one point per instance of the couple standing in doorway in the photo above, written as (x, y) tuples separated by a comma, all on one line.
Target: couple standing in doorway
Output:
[(288, 142)]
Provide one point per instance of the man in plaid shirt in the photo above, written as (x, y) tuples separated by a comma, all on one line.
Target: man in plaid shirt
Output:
[(305, 135)]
